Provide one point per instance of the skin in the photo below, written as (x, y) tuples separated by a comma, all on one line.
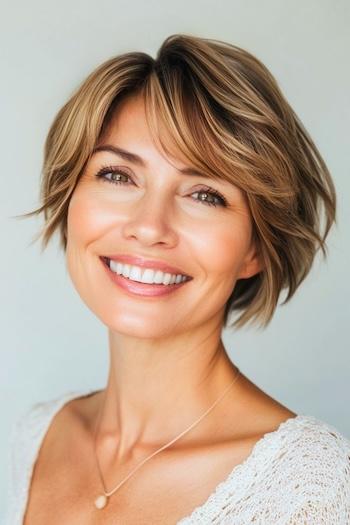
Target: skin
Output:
[(168, 363)]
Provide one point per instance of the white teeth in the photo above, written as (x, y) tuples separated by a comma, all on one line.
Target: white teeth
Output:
[(134, 273), (158, 277), (167, 278), (145, 275), (125, 270)]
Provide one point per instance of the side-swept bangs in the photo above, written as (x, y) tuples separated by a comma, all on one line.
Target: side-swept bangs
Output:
[(222, 110)]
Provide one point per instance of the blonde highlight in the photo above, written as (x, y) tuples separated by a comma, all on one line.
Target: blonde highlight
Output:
[(221, 108)]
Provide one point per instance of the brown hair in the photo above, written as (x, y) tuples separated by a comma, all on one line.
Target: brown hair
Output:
[(222, 108)]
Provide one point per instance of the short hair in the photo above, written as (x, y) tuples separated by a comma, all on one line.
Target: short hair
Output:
[(223, 109)]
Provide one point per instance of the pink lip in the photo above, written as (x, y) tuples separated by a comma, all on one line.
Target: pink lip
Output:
[(146, 263), (142, 289)]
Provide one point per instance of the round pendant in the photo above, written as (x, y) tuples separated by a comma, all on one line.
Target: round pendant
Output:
[(101, 501)]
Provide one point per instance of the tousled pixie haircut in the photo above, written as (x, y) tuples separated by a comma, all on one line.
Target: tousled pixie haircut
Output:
[(223, 110)]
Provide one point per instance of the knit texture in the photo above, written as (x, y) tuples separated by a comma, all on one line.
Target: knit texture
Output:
[(298, 474)]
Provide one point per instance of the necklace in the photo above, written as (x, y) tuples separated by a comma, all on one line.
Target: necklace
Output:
[(102, 500)]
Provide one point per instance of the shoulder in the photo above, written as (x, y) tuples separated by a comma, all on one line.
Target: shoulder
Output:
[(312, 471), (26, 436), (34, 418), (28, 431), (313, 441)]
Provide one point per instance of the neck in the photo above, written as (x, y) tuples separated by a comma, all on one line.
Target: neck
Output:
[(156, 389)]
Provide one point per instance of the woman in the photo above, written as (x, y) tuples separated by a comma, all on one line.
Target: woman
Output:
[(184, 188)]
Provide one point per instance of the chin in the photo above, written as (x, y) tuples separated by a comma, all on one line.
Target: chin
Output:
[(138, 326)]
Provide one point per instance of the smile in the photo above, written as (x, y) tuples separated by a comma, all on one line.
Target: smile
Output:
[(143, 281)]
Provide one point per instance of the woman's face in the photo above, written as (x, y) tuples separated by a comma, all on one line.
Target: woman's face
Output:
[(157, 212)]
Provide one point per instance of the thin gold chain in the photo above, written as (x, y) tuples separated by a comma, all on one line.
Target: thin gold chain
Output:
[(108, 494)]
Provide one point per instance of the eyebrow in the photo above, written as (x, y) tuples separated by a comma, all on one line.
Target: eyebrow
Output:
[(136, 159)]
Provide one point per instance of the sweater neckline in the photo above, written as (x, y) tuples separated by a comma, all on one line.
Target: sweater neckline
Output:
[(216, 496)]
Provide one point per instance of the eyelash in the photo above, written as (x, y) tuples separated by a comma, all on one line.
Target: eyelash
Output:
[(209, 191)]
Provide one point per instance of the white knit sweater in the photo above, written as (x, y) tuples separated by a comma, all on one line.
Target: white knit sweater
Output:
[(296, 475)]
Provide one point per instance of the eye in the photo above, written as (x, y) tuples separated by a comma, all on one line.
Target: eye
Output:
[(114, 173), (216, 199), (213, 194)]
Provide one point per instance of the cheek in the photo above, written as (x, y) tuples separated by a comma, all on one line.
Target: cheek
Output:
[(223, 247), (89, 216), (82, 219), (85, 222)]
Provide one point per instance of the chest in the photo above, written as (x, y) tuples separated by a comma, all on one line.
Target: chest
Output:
[(164, 490)]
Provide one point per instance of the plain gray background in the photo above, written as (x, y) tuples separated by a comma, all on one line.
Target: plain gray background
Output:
[(51, 342)]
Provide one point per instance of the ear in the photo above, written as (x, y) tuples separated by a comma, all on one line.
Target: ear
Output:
[(252, 263)]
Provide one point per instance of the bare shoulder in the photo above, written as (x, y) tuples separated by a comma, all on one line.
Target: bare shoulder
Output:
[(256, 411)]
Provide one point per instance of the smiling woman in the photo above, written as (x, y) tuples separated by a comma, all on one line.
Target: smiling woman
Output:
[(220, 108), (184, 189)]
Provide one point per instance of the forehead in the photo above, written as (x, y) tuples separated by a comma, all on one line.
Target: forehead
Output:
[(128, 128), (129, 120)]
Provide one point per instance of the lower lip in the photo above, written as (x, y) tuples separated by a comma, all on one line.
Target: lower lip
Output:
[(136, 288)]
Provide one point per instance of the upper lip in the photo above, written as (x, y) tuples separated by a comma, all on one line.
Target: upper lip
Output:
[(137, 260)]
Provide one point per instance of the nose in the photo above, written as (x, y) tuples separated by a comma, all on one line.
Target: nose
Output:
[(151, 220)]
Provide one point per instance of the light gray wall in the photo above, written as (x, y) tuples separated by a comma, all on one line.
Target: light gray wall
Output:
[(51, 342)]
